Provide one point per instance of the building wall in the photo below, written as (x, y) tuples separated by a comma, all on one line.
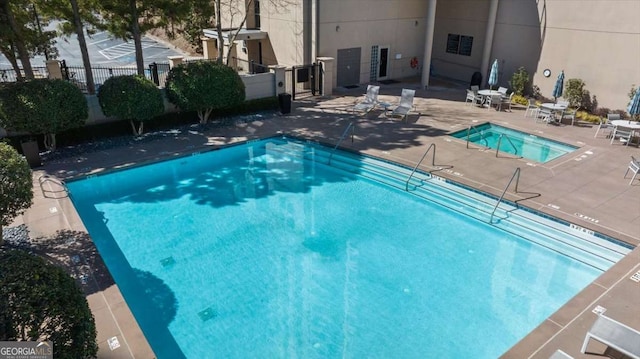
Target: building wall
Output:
[(397, 24), (284, 24), (597, 41)]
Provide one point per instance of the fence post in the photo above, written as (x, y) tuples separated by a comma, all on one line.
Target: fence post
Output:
[(53, 69), (293, 82), (153, 68), (326, 75), (175, 61), (64, 70), (312, 78)]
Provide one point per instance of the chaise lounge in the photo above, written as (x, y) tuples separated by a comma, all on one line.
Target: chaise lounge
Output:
[(614, 334)]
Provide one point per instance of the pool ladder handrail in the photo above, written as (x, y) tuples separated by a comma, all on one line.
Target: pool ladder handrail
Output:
[(516, 175), (508, 139), (53, 193), (486, 143), (433, 163), (351, 127)]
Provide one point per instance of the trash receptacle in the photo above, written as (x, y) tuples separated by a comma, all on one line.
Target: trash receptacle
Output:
[(284, 102), (476, 79)]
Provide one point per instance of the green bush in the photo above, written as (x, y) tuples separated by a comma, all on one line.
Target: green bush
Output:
[(519, 81), (204, 86), (16, 185), (132, 98), (576, 94), (519, 99), (42, 107), (39, 301)]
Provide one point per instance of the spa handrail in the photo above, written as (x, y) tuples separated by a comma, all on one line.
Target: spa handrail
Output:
[(350, 126), (480, 133), (433, 163), (515, 174), (508, 139)]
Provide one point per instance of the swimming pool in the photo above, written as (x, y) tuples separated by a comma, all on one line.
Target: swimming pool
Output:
[(264, 250), (515, 142)]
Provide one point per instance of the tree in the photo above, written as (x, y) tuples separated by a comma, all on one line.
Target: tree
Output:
[(204, 86), (75, 17), (42, 107), (519, 81), (130, 20), (39, 301), (133, 98), (16, 185), (21, 35)]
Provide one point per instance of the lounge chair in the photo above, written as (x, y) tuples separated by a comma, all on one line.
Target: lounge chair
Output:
[(405, 105), (559, 354), (370, 100), (614, 334)]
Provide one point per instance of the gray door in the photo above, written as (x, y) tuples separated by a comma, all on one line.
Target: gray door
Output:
[(348, 67)]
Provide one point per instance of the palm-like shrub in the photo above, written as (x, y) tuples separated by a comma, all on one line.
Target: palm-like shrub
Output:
[(204, 86), (16, 186), (42, 107), (131, 97)]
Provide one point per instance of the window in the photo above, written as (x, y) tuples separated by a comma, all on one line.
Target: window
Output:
[(459, 44), (256, 13)]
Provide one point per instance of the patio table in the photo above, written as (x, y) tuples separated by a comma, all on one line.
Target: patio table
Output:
[(634, 126)]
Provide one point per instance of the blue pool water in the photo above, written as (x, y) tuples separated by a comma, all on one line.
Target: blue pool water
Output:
[(518, 143), (263, 250)]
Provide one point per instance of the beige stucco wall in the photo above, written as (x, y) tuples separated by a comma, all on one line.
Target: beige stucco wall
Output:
[(283, 23), (397, 24), (597, 41)]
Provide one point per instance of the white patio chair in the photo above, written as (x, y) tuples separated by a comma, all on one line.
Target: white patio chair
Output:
[(634, 167), (473, 98), (559, 354), (563, 103), (622, 134), (545, 115), (605, 126), (475, 88), (532, 108), (494, 100), (405, 105), (370, 100), (504, 101), (503, 91), (570, 114), (614, 334)]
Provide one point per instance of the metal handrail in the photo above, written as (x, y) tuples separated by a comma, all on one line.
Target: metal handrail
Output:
[(516, 173), (351, 127), (480, 133), (433, 163), (52, 193), (508, 139)]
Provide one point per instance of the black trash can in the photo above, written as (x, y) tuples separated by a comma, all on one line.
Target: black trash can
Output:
[(476, 79), (284, 103)]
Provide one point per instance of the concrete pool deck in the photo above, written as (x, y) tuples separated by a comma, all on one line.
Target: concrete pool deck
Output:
[(585, 187)]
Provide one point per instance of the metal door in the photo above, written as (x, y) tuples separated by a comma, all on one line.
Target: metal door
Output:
[(348, 67)]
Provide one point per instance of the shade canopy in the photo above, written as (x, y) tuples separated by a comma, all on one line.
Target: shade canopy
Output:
[(493, 74), (557, 89), (634, 105)]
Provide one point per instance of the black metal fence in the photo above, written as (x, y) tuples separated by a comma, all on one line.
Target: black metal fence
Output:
[(304, 80), (9, 74)]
